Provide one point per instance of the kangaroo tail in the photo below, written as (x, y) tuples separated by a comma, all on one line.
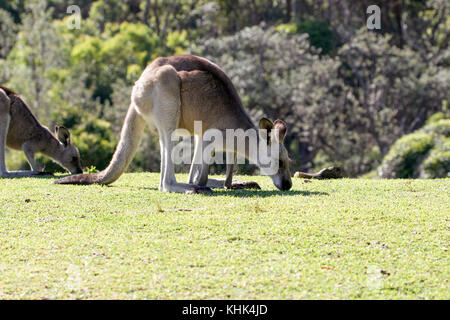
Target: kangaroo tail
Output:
[(130, 137)]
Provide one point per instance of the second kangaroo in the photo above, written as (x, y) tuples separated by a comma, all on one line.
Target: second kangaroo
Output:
[(20, 130)]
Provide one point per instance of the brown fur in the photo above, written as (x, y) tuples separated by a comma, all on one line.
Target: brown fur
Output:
[(184, 89), (211, 97), (194, 63), (25, 132), (8, 91), (28, 128)]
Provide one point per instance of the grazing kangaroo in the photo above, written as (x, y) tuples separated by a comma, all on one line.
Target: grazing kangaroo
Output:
[(172, 93), (20, 130)]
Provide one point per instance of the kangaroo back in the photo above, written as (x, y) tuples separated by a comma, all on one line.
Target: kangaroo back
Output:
[(23, 125), (194, 63), (19, 103), (8, 91)]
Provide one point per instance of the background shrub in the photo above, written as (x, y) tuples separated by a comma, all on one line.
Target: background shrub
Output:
[(423, 154)]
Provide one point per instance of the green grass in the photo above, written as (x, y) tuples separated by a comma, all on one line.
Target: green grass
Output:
[(340, 239)]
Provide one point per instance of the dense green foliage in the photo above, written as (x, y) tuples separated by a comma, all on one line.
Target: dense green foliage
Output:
[(422, 154), (336, 239), (347, 93), (405, 155)]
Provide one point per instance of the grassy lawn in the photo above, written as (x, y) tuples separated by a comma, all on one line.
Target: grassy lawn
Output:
[(340, 239)]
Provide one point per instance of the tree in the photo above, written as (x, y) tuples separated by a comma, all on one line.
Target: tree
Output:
[(8, 31), (349, 108), (37, 52), (265, 65)]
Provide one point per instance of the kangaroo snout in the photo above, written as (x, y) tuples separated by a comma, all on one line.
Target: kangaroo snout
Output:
[(286, 185), (282, 184)]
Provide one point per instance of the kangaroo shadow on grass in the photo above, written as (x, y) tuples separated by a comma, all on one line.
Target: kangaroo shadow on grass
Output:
[(262, 193), (247, 193), (43, 176), (241, 193)]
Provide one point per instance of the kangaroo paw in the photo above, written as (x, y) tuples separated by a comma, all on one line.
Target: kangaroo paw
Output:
[(198, 189), (244, 185)]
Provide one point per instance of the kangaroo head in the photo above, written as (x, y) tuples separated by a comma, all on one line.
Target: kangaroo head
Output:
[(276, 132), (69, 158)]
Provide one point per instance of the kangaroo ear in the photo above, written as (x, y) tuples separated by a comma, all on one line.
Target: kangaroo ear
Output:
[(265, 126), (265, 123), (63, 135), (280, 130)]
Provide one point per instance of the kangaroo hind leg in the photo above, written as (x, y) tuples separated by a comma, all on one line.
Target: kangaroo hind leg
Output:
[(168, 180), (5, 118), (166, 113), (197, 161)]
